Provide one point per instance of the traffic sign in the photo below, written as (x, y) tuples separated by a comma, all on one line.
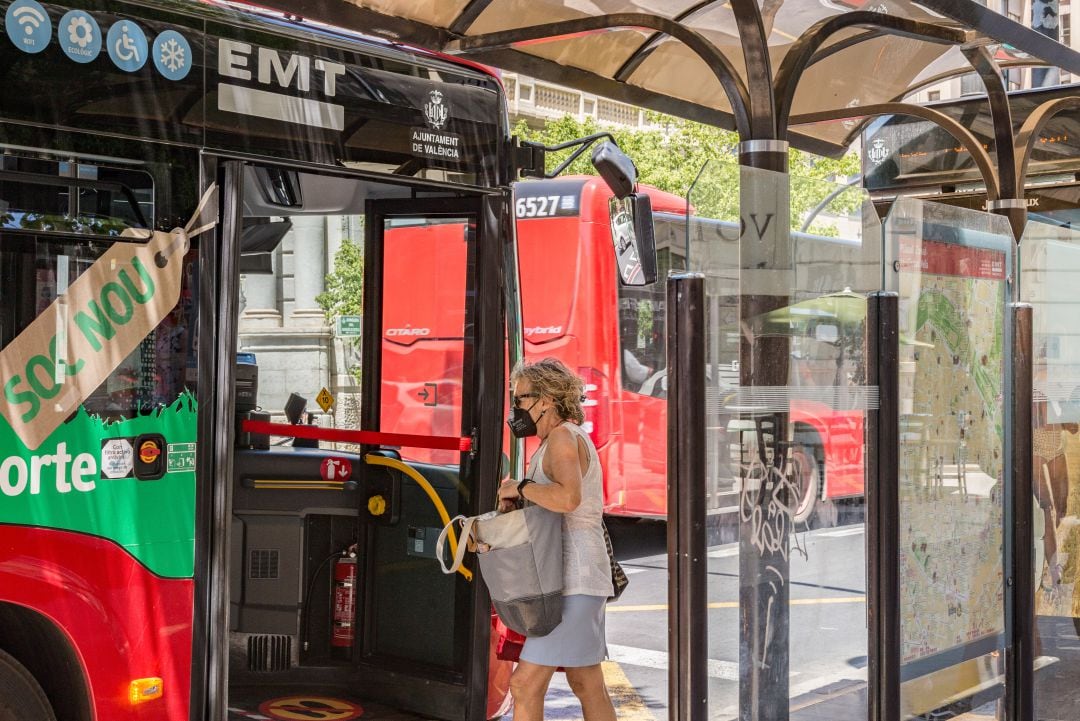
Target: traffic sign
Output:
[(348, 325), (325, 400)]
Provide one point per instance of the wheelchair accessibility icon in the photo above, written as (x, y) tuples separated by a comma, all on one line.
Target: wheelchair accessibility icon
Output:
[(127, 46)]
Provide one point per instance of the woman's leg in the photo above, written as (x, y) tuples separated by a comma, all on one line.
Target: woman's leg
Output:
[(1059, 486), (528, 686), (1045, 495), (587, 683)]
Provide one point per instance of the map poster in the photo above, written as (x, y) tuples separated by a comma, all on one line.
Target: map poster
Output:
[(952, 306)]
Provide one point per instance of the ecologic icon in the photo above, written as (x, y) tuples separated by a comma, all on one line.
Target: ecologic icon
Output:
[(79, 36)]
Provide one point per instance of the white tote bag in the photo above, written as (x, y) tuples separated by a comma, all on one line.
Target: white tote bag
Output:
[(521, 562)]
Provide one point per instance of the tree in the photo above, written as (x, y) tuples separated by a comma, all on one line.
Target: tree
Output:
[(344, 294), (672, 155), (345, 283)]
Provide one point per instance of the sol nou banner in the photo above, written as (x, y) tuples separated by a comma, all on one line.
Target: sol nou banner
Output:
[(69, 350)]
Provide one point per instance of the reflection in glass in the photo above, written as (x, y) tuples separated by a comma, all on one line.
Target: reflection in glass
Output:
[(424, 345), (951, 268), (785, 464), (1049, 274), (36, 270)]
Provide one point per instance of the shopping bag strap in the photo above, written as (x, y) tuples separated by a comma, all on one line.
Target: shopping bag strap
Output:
[(462, 546)]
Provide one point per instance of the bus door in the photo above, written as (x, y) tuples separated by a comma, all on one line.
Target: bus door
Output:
[(341, 486)]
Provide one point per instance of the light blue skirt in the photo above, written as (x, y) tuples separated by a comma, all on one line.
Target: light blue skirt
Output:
[(579, 640)]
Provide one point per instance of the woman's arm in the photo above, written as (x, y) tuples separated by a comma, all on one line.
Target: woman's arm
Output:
[(563, 464)]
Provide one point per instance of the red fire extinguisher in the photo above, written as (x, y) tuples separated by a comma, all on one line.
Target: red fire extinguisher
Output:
[(344, 613)]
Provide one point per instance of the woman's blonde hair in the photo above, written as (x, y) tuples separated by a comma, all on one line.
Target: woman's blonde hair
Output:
[(550, 377)]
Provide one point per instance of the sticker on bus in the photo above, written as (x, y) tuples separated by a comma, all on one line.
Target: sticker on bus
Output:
[(117, 458)]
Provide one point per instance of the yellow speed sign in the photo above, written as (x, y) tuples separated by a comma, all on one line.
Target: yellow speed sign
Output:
[(325, 399)]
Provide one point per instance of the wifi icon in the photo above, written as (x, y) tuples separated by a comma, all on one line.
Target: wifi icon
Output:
[(28, 26)]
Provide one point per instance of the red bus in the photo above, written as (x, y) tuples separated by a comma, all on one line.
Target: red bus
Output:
[(575, 309), (160, 556)]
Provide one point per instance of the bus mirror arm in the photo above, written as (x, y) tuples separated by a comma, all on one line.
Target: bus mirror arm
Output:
[(613, 165), (529, 158), (580, 145)]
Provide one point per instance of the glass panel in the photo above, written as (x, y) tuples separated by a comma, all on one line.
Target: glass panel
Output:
[(71, 197), (786, 399), (98, 414), (951, 267), (423, 344), (283, 340), (1049, 273), (37, 270)]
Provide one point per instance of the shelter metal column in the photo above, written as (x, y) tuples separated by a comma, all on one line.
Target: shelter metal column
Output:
[(764, 570), (882, 509), (688, 693), (1019, 534), (1015, 209)]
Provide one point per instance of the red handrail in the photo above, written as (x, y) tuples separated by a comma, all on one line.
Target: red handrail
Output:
[(369, 438)]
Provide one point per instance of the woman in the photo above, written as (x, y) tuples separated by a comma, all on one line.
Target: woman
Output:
[(564, 476)]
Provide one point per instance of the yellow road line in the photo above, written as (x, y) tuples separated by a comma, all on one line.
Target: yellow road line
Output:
[(629, 706), (735, 604)]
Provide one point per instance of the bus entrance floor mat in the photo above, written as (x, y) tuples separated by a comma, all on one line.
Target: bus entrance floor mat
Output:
[(277, 704)]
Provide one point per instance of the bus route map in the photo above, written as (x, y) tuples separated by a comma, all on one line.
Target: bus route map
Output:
[(952, 316)]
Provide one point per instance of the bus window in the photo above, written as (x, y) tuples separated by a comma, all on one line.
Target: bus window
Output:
[(642, 314), (424, 344), (73, 197), (46, 202)]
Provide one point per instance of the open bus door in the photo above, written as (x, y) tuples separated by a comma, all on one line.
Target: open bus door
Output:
[(335, 598)]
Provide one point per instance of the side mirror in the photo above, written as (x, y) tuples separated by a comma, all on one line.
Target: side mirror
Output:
[(616, 168), (632, 237)]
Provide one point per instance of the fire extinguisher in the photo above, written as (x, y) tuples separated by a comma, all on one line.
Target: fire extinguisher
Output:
[(344, 599)]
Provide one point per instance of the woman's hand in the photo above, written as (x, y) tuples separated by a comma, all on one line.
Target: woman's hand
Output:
[(508, 495)]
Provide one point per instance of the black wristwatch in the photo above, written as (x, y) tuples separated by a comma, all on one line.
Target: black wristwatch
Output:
[(521, 486)]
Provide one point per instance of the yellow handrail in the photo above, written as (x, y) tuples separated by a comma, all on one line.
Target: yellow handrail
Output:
[(412, 473)]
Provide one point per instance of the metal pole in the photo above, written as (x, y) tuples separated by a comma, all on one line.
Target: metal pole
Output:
[(765, 280), (688, 692), (882, 509), (1019, 533)]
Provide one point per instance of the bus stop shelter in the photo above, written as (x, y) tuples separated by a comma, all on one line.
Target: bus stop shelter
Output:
[(943, 312)]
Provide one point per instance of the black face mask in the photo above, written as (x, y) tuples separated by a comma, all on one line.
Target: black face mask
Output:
[(521, 421)]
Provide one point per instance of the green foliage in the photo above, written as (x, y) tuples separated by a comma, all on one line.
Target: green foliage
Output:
[(344, 292), (345, 283), (672, 156)]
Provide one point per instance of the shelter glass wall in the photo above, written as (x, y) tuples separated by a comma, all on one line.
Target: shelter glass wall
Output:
[(1049, 277), (787, 262), (952, 269)]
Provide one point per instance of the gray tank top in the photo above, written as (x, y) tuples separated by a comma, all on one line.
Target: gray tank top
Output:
[(586, 567)]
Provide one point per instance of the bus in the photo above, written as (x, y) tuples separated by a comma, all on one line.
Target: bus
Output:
[(614, 335), (163, 555)]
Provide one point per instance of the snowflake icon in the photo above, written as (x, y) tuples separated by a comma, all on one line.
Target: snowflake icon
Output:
[(172, 55), (80, 32)]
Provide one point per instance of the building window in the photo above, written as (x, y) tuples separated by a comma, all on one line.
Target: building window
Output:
[(933, 95), (971, 84)]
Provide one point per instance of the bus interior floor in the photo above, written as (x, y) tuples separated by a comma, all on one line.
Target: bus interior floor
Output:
[(280, 703)]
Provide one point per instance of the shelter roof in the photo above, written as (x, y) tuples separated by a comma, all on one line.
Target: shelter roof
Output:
[(655, 64)]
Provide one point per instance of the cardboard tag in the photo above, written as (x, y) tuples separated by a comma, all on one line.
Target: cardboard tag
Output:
[(50, 368)]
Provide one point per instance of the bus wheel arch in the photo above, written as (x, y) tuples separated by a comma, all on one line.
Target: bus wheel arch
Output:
[(807, 454), (33, 647)]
